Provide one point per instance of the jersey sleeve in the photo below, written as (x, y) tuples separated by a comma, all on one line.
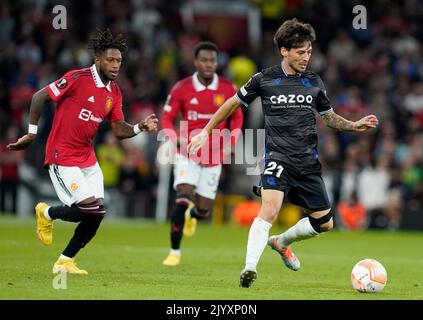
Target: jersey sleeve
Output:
[(60, 88), (170, 111), (116, 114), (322, 101), (249, 91)]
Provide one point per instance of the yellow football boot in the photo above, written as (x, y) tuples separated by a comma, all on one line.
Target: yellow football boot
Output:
[(172, 260), (190, 224), (44, 226), (67, 266)]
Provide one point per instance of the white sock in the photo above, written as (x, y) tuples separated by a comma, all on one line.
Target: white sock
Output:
[(46, 214), (62, 256), (300, 231), (176, 252), (257, 241)]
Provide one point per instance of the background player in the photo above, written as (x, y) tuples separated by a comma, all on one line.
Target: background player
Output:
[(290, 97), (84, 99), (197, 98)]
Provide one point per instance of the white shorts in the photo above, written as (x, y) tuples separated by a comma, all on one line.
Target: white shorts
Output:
[(74, 184), (205, 179)]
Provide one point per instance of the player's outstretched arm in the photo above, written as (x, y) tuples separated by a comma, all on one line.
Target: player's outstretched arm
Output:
[(225, 110), (38, 102), (337, 122), (123, 130)]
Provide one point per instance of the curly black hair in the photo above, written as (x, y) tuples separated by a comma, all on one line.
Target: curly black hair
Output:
[(205, 45), (104, 40), (293, 33)]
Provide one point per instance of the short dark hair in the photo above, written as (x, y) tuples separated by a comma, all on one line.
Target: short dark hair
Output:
[(293, 33), (205, 45), (104, 40)]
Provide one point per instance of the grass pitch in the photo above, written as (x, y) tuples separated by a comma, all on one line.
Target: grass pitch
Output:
[(124, 261)]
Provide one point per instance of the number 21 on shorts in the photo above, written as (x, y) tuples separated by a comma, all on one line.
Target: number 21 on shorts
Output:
[(272, 166)]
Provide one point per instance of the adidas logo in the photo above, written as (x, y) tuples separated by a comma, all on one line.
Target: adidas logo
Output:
[(194, 101), (91, 99)]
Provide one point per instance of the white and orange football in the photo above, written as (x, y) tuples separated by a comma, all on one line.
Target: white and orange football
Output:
[(368, 275)]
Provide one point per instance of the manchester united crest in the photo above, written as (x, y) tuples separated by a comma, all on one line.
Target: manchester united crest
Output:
[(74, 186), (109, 103), (218, 99)]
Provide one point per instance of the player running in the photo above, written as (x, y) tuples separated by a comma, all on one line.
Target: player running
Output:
[(197, 98), (84, 99), (290, 98)]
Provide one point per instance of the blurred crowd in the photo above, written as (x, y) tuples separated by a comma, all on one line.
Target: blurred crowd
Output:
[(373, 178)]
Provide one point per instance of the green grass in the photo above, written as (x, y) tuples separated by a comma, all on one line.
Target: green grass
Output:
[(124, 262)]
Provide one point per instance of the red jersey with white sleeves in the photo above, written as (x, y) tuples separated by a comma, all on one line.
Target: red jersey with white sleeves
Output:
[(197, 104), (83, 102)]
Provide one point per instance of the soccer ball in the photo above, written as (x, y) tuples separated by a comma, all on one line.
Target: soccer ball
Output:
[(368, 275)]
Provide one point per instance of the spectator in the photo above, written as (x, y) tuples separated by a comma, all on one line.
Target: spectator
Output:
[(352, 214), (373, 186), (110, 157), (9, 172)]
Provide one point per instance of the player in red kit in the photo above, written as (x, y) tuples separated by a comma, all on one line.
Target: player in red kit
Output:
[(197, 98), (84, 99)]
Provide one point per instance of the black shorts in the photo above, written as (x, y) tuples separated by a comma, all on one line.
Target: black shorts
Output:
[(302, 187)]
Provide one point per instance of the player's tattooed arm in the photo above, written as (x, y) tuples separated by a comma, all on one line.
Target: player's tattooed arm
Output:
[(337, 122)]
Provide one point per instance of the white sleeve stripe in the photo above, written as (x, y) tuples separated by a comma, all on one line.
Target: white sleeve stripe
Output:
[(53, 88), (326, 111), (239, 99)]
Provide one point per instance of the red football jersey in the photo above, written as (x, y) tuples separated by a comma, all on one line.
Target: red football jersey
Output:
[(83, 102), (197, 104)]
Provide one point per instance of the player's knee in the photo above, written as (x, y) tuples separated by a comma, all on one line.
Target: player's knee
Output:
[(201, 213), (322, 224), (327, 226), (184, 189), (95, 208), (182, 199)]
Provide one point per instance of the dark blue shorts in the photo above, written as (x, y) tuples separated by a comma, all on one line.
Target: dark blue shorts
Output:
[(302, 187)]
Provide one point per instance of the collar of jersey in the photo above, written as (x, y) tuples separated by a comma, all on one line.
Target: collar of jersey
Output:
[(97, 79), (289, 75), (200, 87)]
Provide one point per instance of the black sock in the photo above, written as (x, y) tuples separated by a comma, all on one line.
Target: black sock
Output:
[(84, 232), (66, 213), (177, 225), (72, 248)]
